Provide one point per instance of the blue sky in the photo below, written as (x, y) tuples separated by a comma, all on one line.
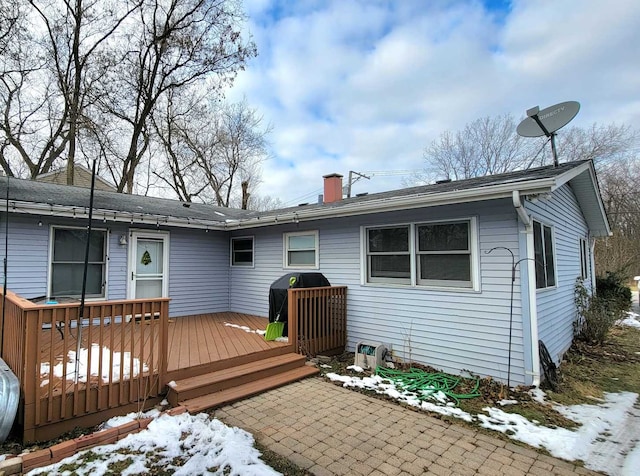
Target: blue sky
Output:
[(367, 85)]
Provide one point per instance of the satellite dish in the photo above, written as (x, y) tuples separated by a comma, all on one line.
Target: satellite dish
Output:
[(546, 122)]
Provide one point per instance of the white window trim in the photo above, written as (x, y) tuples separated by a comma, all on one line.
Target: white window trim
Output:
[(389, 281), (106, 258), (555, 256), (285, 249), (474, 246), (253, 251)]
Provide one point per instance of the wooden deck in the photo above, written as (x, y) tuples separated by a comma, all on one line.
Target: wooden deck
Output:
[(197, 344), (207, 342)]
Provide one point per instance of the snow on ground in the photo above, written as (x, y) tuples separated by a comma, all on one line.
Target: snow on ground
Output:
[(120, 362), (183, 445), (604, 439), (632, 320)]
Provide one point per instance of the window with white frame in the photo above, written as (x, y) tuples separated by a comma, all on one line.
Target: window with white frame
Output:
[(584, 259), (425, 254), (242, 251), (67, 256), (388, 255), (301, 249), (444, 254), (544, 255)]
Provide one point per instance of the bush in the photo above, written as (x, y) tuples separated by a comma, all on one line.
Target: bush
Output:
[(596, 314), (612, 288)]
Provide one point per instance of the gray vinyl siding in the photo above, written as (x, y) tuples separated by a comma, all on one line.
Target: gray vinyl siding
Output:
[(117, 264), (452, 330), (27, 256), (198, 263), (198, 272), (556, 307)]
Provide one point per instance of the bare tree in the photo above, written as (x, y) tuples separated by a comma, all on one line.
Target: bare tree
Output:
[(173, 45), (485, 146), (212, 150), (620, 252), (46, 91)]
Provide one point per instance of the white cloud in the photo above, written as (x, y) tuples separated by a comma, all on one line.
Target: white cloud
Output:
[(366, 86)]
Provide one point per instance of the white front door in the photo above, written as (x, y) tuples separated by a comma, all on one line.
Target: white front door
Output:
[(148, 265)]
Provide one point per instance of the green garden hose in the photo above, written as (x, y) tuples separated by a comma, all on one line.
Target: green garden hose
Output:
[(425, 384)]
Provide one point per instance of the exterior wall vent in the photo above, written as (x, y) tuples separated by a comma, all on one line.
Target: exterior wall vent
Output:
[(369, 355)]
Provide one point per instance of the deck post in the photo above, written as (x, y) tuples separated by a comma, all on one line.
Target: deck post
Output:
[(163, 360), (292, 312)]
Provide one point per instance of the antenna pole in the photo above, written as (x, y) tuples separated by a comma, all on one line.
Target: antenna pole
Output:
[(84, 275), (553, 149), (550, 135)]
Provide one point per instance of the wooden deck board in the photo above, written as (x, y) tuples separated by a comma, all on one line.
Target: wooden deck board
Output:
[(193, 341)]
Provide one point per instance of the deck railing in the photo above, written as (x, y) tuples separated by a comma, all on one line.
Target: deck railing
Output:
[(122, 358), (318, 319)]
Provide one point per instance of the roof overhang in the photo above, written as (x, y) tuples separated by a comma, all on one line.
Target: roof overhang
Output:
[(581, 178)]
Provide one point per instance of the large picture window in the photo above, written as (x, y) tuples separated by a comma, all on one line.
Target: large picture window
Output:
[(67, 262), (242, 251), (426, 254), (301, 249), (543, 249)]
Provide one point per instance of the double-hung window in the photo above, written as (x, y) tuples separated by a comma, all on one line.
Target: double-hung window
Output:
[(388, 255), (423, 254), (68, 246), (301, 249), (242, 251), (544, 255), (444, 254)]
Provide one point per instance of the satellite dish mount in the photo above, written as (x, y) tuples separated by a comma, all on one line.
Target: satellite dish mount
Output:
[(546, 122)]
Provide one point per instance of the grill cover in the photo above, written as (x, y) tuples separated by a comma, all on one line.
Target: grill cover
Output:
[(278, 293)]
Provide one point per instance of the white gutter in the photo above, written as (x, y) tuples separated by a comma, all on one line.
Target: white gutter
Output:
[(529, 262), (44, 210)]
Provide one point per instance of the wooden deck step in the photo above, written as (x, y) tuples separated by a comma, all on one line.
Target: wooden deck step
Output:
[(211, 382), (233, 394)]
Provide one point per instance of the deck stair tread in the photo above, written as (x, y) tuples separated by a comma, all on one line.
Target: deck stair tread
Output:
[(239, 392), (237, 375)]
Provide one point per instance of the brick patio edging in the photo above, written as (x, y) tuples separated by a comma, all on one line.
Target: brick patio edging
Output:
[(54, 454)]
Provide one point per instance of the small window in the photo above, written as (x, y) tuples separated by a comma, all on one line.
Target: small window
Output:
[(242, 251), (444, 254), (388, 256), (67, 262), (301, 250), (584, 259), (543, 249)]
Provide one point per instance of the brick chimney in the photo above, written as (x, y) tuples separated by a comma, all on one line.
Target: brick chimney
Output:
[(332, 188)]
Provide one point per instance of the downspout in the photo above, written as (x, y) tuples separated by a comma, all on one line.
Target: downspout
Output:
[(531, 278)]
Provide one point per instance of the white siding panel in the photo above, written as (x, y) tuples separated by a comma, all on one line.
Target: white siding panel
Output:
[(556, 308), (451, 330)]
